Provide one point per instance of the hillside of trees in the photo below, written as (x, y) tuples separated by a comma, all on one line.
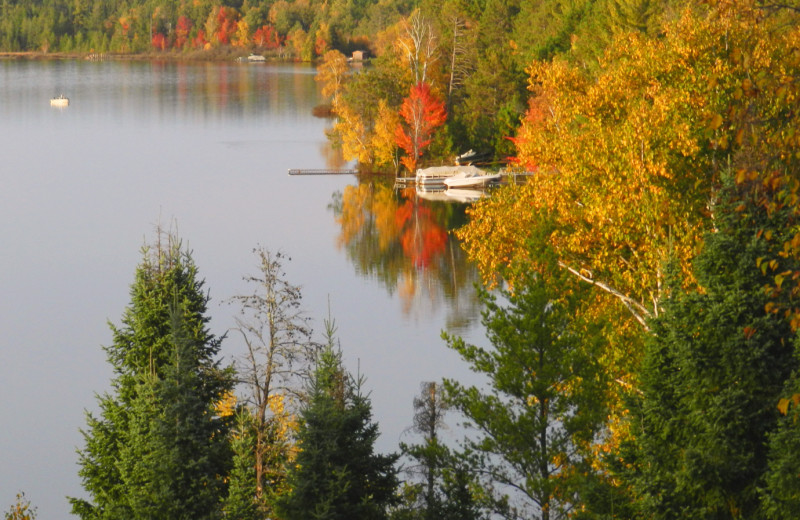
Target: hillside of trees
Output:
[(471, 54), (641, 291)]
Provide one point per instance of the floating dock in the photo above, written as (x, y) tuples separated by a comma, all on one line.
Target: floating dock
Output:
[(322, 171)]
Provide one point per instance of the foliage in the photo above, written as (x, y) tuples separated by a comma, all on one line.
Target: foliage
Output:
[(241, 502), (157, 446), (712, 376), (332, 73), (781, 496), (21, 509), (422, 112), (543, 407), (336, 473)]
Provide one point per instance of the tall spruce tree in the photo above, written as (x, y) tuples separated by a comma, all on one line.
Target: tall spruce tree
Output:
[(712, 376), (157, 448), (337, 475)]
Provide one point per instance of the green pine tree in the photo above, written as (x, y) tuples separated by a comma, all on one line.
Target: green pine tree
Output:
[(712, 376), (543, 404), (157, 449), (337, 475), (241, 502)]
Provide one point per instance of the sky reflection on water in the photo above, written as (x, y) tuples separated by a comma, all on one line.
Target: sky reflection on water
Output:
[(203, 147)]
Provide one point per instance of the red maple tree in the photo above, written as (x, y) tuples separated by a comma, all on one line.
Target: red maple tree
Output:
[(182, 29), (422, 112), (266, 36)]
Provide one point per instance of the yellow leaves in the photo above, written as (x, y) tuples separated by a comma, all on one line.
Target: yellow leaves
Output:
[(783, 404), (332, 73), (226, 406), (716, 122), (383, 139), (354, 134)]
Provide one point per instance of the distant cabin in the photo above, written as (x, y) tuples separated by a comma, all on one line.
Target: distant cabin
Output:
[(360, 55)]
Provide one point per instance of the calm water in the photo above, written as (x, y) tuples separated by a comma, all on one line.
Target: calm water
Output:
[(204, 148)]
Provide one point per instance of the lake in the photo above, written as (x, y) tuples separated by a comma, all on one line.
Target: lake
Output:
[(202, 148)]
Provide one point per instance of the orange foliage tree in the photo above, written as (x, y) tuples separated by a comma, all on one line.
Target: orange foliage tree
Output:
[(422, 112), (182, 30), (267, 37), (159, 41)]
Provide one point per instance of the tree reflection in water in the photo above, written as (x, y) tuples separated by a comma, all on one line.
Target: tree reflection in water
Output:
[(406, 243)]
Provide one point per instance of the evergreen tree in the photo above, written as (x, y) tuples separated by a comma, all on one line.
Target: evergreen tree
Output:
[(446, 489), (712, 376), (158, 450), (241, 503), (543, 406), (337, 475)]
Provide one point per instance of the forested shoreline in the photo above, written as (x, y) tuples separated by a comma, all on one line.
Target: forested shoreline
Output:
[(641, 291)]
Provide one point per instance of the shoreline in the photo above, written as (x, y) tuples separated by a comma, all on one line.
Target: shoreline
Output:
[(197, 55)]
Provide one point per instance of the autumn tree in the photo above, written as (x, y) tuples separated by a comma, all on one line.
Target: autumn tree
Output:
[(358, 116), (182, 31), (422, 112), (384, 144), (332, 73), (419, 48), (277, 334), (21, 509), (267, 37)]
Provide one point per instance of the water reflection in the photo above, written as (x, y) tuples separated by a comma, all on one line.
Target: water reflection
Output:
[(403, 240), (185, 91)]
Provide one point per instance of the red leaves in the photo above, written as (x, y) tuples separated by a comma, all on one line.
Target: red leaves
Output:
[(267, 37), (423, 239), (159, 41), (227, 18), (422, 112), (182, 29)]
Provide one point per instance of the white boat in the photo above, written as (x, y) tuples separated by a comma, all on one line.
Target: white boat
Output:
[(466, 179), (59, 101), (438, 174)]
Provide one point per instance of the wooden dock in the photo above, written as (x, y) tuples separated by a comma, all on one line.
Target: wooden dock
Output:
[(323, 171)]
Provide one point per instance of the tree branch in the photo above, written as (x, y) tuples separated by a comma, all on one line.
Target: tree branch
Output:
[(639, 311)]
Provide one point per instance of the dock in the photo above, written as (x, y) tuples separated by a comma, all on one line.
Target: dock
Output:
[(323, 171)]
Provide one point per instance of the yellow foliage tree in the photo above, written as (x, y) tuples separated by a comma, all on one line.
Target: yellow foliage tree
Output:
[(627, 161), (332, 74), (242, 36), (355, 134), (384, 144)]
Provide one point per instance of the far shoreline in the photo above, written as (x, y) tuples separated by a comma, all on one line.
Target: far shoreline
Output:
[(224, 54)]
